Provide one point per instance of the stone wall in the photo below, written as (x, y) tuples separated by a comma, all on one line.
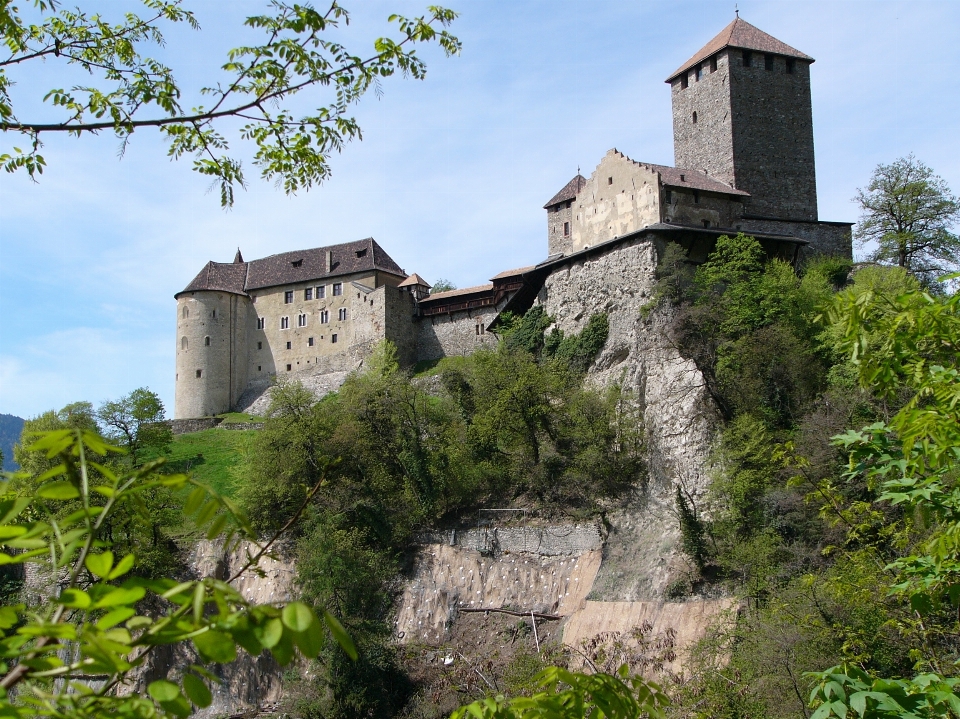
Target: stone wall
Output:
[(825, 238), (456, 334), (186, 426), (558, 241), (642, 555), (688, 207)]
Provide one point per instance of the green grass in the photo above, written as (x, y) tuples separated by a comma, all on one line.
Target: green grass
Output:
[(211, 456)]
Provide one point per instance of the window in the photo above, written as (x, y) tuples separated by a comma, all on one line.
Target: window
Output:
[(309, 341), (324, 317), (477, 328), (199, 373), (768, 62), (747, 58), (362, 253), (700, 72), (337, 289), (186, 312), (696, 197), (481, 328), (183, 343), (321, 292), (206, 341), (289, 345), (706, 223), (284, 323), (289, 368), (213, 315), (333, 339), (288, 297), (667, 196), (301, 320), (259, 368), (308, 293), (713, 64), (694, 118), (566, 229), (342, 313), (297, 263), (261, 322), (683, 81), (259, 345), (609, 180), (791, 65)]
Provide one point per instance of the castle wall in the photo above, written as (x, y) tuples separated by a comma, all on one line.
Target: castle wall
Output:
[(399, 324), (456, 334), (620, 197), (211, 352), (557, 218), (706, 145), (689, 208), (825, 238)]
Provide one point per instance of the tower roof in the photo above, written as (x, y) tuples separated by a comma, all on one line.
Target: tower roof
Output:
[(414, 280), (740, 34), (569, 191)]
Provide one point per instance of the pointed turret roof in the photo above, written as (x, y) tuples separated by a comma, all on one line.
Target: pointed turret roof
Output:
[(741, 34), (413, 280), (237, 258), (569, 191)]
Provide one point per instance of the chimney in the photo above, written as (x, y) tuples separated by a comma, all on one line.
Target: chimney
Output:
[(329, 261)]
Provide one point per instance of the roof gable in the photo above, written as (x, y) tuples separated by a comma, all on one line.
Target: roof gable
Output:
[(740, 34), (569, 191)]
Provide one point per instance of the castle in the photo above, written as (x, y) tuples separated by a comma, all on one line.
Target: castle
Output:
[(743, 146)]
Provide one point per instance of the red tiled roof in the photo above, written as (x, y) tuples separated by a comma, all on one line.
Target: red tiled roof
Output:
[(741, 34), (513, 273), (414, 279), (298, 266), (569, 191), (456, 293), (694, 179)]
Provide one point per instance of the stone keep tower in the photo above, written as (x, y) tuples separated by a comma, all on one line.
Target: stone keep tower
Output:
[(742, 114)]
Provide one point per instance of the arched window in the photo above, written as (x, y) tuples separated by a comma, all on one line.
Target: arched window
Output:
[(206, 341), (183, 340), (186, 312)]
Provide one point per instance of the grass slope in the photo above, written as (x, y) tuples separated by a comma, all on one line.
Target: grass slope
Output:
[(210, 456)]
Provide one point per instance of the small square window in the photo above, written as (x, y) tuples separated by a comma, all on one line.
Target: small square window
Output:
[(261, 322), (309, 341), (259, 345), (199, 373), (289, 345), (308, 293), (566, 229), (259, 368), (333, 338), (684, 82), (321, 292), (288, 297), (337, 289), (706, 223), (609, 180), (206, 341), (289, 367)]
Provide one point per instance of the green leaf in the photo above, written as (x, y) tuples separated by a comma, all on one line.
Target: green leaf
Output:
[(163, 691), (62, 490), (100, 564), (197, 690), (269, 632), (340, 634), (283, 650), (113, 618), (123, 566), (216, 647), (310, 641), (120, 596), (298, 616), (75, 599)]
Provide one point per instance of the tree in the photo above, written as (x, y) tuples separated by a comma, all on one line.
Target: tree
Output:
[(442, 285), (137, 423), (908, 212), (77, 415), (130, 90)]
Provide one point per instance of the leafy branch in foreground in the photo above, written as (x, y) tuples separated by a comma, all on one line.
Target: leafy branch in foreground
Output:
[(70, 655), (132, 90)]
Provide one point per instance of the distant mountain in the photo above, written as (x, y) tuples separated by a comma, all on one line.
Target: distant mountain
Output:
[(10, 428)]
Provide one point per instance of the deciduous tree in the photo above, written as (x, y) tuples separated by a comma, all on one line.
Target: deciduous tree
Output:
[(129, 90)]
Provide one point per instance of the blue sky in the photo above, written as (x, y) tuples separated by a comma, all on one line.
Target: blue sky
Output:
[(452, 172)]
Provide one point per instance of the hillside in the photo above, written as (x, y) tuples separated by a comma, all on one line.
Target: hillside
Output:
[(10, 428)]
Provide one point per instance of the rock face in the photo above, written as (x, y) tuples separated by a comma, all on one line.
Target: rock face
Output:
[(641, 553)]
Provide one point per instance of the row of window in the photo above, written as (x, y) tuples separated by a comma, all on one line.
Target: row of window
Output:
[(311, 293), (324, 316), (185, 313), (747, 59)]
